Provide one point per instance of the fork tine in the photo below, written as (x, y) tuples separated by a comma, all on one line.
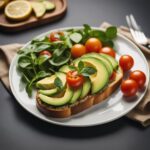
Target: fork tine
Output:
[(134, 35), (134, 23)]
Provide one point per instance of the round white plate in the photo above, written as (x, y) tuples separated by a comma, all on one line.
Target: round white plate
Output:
[(111, 109)]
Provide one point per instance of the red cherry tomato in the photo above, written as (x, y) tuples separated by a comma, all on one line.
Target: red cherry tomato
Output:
[(74, 79), (129, 87), (93, 45), (113, 76), (78, 50), (45, 52), (139, 77), (108, 50), (55, 36), (126, 62)]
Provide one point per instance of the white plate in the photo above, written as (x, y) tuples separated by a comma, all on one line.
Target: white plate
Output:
[(111, 109)]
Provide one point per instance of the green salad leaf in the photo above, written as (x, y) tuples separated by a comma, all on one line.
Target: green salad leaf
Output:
[(58, 83)]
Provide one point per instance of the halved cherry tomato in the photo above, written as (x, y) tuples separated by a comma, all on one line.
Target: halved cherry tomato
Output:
[(93, 45), (139, 77), (78, 50), (109, 51), (129, 87), (126, 62), (113, 76), (74, 79), (55, 36), (45, 52)]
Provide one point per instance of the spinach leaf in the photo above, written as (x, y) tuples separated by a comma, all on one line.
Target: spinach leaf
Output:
[(80, 65), (87, 71), (58, 83), (71, 67), (24, 61), (39, 75), (111, 32), (87, 29), (76, 37), (59, 61), (42, 47), (43, 58)]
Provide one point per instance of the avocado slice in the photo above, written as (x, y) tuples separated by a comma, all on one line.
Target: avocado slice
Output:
[(86, 88), (112, 60), (57, 101), (48, 82), (76, 95), (49, 5), (38, 8), (49, 92), (101, 78), (103, 59), (65, 69)]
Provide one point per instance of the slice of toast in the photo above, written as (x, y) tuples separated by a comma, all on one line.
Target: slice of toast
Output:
[(83, 104)]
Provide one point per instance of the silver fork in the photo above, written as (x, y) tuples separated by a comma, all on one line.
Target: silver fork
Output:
[(137, 32)]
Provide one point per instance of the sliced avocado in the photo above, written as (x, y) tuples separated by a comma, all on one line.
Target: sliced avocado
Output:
[(49, 92), (103, 59), (86, 88), (76, 95), (65, 69), (55, 101), (49, 5), (48, 82), (38, 8), (100, 79), (112, 60)]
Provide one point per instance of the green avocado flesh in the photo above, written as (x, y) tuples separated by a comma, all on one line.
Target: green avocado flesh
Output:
[(86, 88), (76, 95), (105, 61), (100, 79), (65, 69), (54, 101), (49, 92), (48, 82), (112, 60)]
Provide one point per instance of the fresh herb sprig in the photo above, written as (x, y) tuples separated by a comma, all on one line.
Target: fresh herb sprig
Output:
[(86, 71)]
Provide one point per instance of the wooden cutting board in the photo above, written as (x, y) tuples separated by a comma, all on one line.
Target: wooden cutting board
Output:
[(11, 26)]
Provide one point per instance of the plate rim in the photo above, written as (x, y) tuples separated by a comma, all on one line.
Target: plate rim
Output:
[(61, 123)]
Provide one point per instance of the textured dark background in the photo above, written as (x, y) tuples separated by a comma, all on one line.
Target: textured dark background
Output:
[(21, 131)]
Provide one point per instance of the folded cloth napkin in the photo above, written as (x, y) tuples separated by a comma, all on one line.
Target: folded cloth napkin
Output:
[(140, 113)]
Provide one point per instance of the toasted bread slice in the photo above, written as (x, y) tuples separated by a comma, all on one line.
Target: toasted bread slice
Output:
[(80, 105)]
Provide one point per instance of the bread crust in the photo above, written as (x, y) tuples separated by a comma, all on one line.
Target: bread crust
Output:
[(80, 105)]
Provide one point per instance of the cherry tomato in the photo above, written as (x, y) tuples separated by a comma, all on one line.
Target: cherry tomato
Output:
[(74, 79), (126, 62), (139, 77), (93, 45), (55, 36), (113, 76), (78, 50), (108, 50), (129, 87), (45, 52)]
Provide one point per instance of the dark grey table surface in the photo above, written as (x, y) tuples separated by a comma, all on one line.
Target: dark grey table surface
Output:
[(19, 130)]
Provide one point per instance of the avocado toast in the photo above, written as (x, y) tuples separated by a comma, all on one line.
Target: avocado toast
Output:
[(71, 69), (95, 89)]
